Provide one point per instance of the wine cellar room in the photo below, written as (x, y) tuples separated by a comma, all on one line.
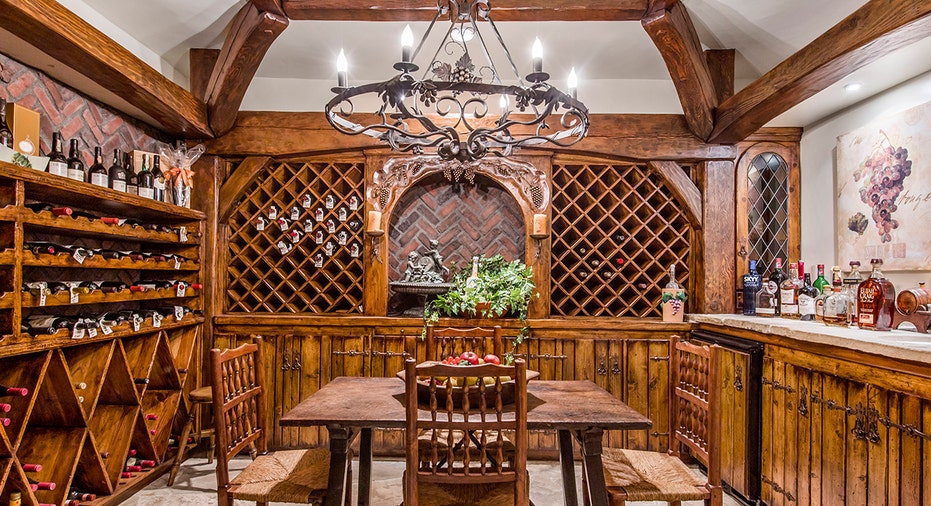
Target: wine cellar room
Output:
[(175, 180)]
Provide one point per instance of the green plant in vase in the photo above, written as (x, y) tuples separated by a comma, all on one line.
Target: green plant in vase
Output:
[(492, 288)]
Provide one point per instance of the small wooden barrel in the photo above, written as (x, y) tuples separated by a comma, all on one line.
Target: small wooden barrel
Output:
[(911, 300)]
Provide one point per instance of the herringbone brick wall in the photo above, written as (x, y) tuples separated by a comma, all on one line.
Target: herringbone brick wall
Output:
[(466, 220), (75, 116)]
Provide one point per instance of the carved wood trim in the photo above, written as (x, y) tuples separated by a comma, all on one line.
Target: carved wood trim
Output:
[(235, 185), (504, 10), (684, 190)]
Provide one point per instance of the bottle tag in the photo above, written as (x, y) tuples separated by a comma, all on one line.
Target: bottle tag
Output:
[(78, 255), (305, 201), (91, 332), (283, 223), (295, 236), (156, 320), (182, 234), (295, 213), (283, 247), (308, 226), (73, 299), (318, 260), (120, 222), (179, 313), (106, 330), (318, 237), (272, 212), (330, 202), (260, 224), (181, 289), (342, 237), (137, 322), (354, 250), (42, 294), (353, 203), (318, 215), (177, 263), (331, 226), (328, 249), (342, 214), (77, 332)]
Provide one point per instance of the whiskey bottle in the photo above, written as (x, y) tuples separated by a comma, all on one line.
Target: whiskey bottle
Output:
[(852, 281), (117, 173), (57, 163), (875, 300), (76, 169), (788, 293), (97, 173), (806, 299), (837, 307), (777, 276), (767, 299), (751, 285), (821, 283)]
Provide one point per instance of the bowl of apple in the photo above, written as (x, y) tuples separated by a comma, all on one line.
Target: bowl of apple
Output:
[(465, 382)]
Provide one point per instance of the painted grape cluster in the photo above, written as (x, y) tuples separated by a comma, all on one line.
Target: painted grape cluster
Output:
[(883, 175)]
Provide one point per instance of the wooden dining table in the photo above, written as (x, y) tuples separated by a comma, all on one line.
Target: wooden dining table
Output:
[(350, 406)]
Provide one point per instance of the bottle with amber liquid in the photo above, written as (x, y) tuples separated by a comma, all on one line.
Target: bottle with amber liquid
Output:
[(807, 294), (57, 163), (852, 281), (117, 172), (75, 163), (766, 301), (875, 300), (97, 174), (788, 293)]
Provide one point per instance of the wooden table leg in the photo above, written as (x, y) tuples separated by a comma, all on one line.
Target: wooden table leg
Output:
[(340, 439), (365, 468), (590, 441), (568, 468)]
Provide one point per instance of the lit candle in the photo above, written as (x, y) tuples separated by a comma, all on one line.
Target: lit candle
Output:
[(540, 228), (503, 103), (573, 83), (407, 44), (374, 224), (537, 55), (342, 68)]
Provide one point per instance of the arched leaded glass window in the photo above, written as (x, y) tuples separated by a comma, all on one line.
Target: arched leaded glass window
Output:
[(767, 209)]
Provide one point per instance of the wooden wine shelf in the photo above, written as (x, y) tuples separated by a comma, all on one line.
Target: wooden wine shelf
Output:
[(6, 257), (99, 297), (60, 339), (42, 186), (94, 228), (30, 259)]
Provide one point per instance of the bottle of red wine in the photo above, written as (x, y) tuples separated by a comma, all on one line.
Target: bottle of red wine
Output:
[(41, 485), (146, 180), (6, 135), (76, 169), (78, 495), (132, 187), (57, 163), (40, 248), (13, 391), (117, 173), (97, 173), (159, 183), (38, 207), (32, 468)]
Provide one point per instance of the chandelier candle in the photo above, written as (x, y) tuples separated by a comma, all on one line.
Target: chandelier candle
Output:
[(537, 55), (407, 44)]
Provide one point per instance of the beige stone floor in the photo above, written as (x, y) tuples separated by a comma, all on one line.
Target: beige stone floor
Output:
[(196, 485)]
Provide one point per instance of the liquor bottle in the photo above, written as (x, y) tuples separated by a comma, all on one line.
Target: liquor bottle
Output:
[(111, 318), (820, 282), (117, 174), (159, 178), (767, 299), (38, 207), (875, 300), (78, 495), (76, 169), (132, 187), (806, 299), (751, 285), (97, 173), (837, 279), (57, 163), (788, 293), (6, 135), (112, 286), (777, 276), (836, 307), (472, 280), (48, 324), (146, 181), (852, 281), (13, 391)]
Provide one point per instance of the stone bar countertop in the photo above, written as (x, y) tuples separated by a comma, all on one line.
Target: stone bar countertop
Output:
[(898, 344)]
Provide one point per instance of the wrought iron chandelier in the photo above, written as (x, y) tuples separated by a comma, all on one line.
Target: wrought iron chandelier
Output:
[(450, 113)]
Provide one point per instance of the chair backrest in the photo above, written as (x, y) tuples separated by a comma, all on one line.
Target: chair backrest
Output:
[(478, 419), (443, 342), (694, 406), (238, 380)]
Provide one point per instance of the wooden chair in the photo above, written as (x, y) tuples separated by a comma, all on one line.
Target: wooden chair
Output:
[(695, 421), (443, 342), (197, 399), (293, 476), (484, 476)]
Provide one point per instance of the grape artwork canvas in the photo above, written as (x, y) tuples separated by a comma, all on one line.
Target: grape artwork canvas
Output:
[(883, 191)]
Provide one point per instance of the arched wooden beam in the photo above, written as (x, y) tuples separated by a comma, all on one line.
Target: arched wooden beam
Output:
[(683, 189), (235, 185)]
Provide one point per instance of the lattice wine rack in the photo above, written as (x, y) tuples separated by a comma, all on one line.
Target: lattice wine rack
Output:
[(616, 230), (311, 262)]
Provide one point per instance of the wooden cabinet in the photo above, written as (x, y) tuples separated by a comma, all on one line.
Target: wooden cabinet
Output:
[(116, 390)]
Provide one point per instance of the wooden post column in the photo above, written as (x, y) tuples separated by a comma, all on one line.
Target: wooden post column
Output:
[(713, 251)]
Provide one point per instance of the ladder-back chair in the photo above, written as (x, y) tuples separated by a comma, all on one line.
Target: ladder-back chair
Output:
[(695, 424), (443, 342)]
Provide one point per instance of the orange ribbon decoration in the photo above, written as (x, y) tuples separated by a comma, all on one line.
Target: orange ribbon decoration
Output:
[(185, 173)]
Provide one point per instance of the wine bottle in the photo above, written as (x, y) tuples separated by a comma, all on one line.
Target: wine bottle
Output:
[(13, 391), (5, 422), (40, 248), (147, 463), (38, 207), (57, 163), (5, 408), (76, 168), (132, 186), (41, 485), (159, 181), (52, 322), (6, 135), (151, 416), (141, 381), (111, 318), (112, 286), (97, 173), (32, 468), (117, 174), (146, 181), (78, 495)]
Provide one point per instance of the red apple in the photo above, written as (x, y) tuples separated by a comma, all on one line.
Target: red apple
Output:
[(470, 357), (492, 359)]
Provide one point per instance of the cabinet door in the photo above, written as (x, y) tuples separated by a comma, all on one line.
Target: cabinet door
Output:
[(736, 422)]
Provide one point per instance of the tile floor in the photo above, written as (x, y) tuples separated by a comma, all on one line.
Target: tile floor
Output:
[(196, 485)]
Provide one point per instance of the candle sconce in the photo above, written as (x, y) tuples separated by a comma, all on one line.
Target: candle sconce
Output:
[(539, 231), (374, 230)]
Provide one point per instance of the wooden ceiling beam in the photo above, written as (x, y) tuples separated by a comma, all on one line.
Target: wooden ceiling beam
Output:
[(251, 34), (61, 34), (874, 30), (502, 10), (674, 35)]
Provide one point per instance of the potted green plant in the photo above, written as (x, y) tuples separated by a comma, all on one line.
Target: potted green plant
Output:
[(498, 289)]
